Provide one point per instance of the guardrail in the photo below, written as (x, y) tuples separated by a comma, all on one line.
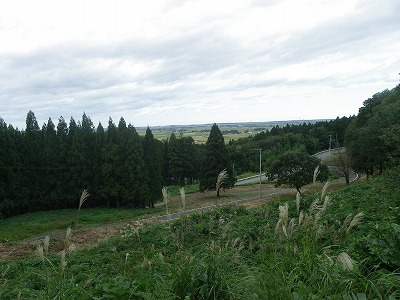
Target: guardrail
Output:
[(251, 177), (340, 150)]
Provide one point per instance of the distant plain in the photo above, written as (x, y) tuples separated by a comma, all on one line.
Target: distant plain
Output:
[(231, 131)]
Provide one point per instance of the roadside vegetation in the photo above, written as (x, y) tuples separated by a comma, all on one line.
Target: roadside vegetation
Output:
[(40, 223), (339, 245)]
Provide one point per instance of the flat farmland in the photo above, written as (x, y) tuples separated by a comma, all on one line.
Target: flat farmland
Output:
[(199, 133)]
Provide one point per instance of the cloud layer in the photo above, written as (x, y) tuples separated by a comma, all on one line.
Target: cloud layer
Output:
[(185, 62)]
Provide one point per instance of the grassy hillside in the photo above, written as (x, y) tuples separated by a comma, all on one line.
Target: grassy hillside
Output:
[(287, 249)]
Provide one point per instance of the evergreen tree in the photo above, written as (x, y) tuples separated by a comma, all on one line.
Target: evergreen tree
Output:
[(63, 170), (216, 160), (109, 188), (75, 161), (87, 141), (50, 184), (13, 191), (153, 165), (98, 179), (174, 160), (188, 158), (139, 178), (3, 168), (33, 160)]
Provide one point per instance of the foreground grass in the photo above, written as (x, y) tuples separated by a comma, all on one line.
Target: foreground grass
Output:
[(35, 224), (235, 253), (40, 223)]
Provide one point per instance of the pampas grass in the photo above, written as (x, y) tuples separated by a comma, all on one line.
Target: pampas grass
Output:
[(67, 241), (222, 176), (324, 189), (166, 201), (298, 200), (316, 173), (354, 222), (40, 252), (46, 244), (183, 198), (84, 196), (63, 262), (345, 261)]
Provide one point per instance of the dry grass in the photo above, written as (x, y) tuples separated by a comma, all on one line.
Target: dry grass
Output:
[(222, 176), (354, 222), (84, 196)]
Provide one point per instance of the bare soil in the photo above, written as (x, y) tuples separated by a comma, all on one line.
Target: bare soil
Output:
[(93, 236)]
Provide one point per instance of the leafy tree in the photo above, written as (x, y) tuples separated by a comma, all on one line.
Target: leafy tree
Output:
[(295, 169), (367, 135), (216, 159), (391, 138), (343, 163)]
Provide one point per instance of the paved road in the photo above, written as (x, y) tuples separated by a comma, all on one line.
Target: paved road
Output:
[(252, 179), (325, 155)]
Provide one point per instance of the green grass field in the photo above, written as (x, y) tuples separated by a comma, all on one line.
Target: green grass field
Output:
[(316, 250), (39, 223), (200, 133)]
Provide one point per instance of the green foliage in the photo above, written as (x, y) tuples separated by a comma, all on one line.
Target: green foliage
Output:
[(371, 138), (47, 168), (173, 190), (235, 253), (33, 224), (295, 169), (152, 158), (216, 159)]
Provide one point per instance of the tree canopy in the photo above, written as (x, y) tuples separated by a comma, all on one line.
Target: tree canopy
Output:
[(372, 137), (216, 160), (296, 169)]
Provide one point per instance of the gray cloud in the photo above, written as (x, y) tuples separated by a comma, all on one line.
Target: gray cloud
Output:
[(193, 70)]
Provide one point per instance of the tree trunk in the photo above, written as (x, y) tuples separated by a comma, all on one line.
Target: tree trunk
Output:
[(347, 177)]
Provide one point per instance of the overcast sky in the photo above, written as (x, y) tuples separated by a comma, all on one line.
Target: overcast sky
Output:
[(200, 61)]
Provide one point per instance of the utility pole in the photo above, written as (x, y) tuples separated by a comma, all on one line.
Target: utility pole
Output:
[(259, 189), (330, 144)]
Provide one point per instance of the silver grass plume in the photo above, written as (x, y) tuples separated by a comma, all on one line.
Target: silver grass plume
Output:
[(345, 261), (166, 201), (355, 221), (298, 200), (222, 176), (183, 198), (84, 196), (324, 189), (316, 173)]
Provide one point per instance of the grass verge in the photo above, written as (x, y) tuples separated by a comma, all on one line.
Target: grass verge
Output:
[(39, 223)]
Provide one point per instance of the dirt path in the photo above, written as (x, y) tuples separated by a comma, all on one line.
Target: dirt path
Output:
[(92, 236)]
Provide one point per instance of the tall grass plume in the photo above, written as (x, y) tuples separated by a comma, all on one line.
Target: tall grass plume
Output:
[(84, 196)]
